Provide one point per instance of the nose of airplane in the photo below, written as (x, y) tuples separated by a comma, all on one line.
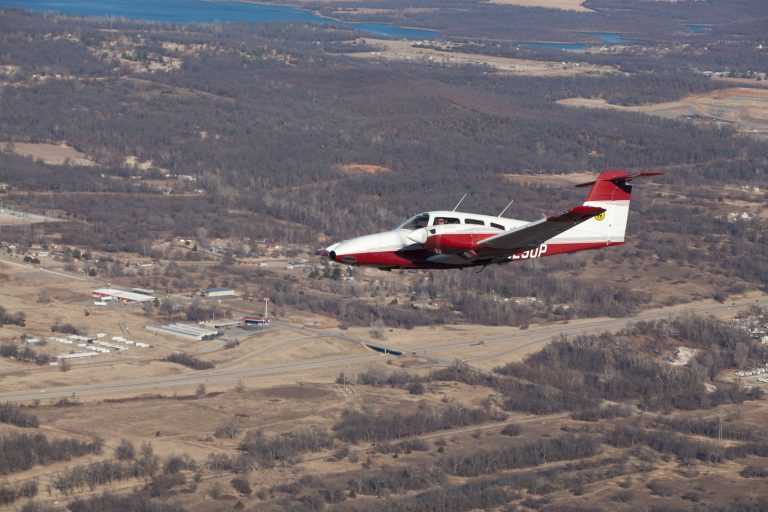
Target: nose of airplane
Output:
[(328, 252), (349, 251)]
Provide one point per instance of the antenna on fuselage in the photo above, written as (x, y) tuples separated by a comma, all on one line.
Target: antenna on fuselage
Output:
[(502, 212), (460, 201)]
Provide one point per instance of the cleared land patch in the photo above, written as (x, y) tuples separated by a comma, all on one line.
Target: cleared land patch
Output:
[(743, 108), (19, 218), (353, 169), (572, 178), (51, 154), (405, 51), (565, 5)]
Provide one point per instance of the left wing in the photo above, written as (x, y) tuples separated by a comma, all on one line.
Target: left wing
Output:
[(536, 233)]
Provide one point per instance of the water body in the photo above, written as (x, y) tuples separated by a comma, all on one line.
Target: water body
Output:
[(205, 11), (698, 28), (607, 38)]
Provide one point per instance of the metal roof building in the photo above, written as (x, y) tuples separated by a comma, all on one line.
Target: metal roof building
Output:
[(188, 331), (122, 295), (219, 292)]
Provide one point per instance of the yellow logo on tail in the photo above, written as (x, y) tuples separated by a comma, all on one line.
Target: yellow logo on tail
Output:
[(600, 216)]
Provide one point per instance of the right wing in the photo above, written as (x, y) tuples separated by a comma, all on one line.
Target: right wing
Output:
[(536, 233)]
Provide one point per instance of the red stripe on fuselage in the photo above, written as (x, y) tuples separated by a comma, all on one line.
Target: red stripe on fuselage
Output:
[(553, 249), (418, 259)]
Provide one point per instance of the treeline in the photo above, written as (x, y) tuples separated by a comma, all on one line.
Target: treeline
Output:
[(754, 472), (8, 318), (189, 361), (395, 480), (25, 354), (378, 377), (714, 427), (105, 472), (601, 413), (15, 415), (486, 462), (24, 451), (161, 478), (284, 448), (9, 494), (684, 447), (356, 426), (135, 502)]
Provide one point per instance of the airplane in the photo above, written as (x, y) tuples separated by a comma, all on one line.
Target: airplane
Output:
[(450, 239)]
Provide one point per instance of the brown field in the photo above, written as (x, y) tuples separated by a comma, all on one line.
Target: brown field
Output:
[(405, 51), (565, 5), (17, 218), (745, 109), (52, 154), (573, 178), (363, 169)]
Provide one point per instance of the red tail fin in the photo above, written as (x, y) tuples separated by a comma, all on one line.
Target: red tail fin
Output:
[(613, 185)]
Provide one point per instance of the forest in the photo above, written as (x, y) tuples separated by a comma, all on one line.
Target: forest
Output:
[(264, 153), (237, 118)]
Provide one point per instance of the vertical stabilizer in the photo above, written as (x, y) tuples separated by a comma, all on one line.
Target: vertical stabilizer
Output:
[(612, 192)]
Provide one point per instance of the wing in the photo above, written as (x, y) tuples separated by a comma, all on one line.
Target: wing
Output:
[(536, 233)]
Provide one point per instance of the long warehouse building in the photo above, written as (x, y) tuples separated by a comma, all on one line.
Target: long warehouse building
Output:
[(124, 295), (192, 332)]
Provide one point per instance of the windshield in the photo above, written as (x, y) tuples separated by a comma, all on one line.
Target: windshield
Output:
[(419, 221)]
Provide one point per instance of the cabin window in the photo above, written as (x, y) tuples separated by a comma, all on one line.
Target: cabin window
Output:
[(445, 220), (474, 221), (497, 226), (417, 222)]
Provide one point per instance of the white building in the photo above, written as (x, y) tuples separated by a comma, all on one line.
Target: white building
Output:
[(219, 292), (122, 295)]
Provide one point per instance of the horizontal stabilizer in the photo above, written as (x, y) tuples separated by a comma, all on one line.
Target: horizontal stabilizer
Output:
[(619, 177)]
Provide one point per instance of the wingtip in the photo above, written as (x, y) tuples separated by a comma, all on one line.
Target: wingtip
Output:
[(580, 212)]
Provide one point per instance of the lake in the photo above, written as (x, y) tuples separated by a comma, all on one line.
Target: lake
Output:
[(607, 38), (204, 11), (698, 28)]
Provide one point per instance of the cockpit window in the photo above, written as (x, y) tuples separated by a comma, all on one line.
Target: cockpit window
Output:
[(474, 221), (419, 221), (445, 220)]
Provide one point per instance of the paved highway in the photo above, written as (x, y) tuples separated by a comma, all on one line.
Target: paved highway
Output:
[(486, 348)]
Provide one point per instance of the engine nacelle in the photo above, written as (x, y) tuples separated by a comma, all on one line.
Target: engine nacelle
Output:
[(452, 242)]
